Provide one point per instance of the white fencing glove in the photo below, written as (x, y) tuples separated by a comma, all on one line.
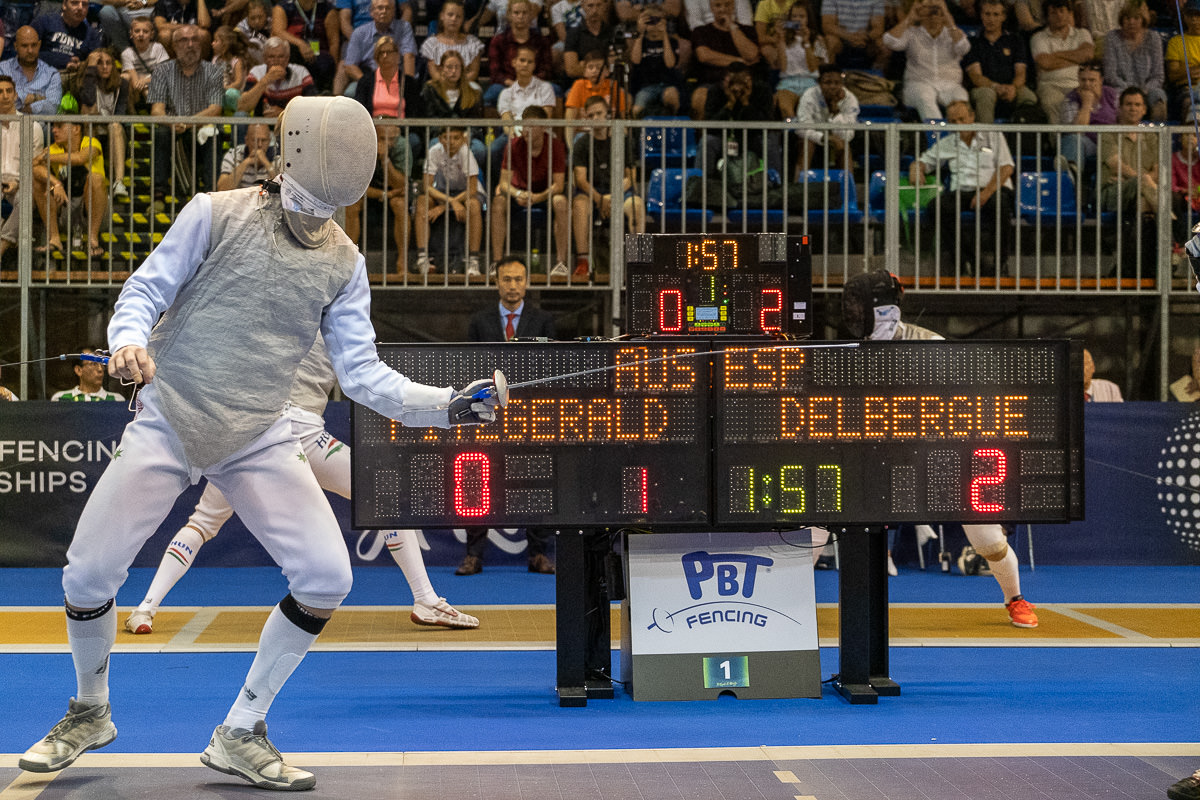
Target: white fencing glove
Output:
[(475, 404)]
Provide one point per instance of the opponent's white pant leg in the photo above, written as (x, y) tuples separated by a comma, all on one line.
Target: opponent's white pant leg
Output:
[(272, 488), (330, 461), (990, 542), (211, 512)]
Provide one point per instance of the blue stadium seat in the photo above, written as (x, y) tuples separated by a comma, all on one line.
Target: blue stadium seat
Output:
[(1045, 198), (674, 146), (847, 209), (912, 200), (878, 113), (664, 201)]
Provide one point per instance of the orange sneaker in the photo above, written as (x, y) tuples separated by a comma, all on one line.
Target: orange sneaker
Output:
[(1020, 612)]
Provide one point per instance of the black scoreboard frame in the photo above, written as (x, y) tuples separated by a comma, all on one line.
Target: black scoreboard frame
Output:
[(734, 434), (736, 284)]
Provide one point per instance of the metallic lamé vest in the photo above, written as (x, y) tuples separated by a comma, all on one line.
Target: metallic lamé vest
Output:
[(314, 380), (228, 348)]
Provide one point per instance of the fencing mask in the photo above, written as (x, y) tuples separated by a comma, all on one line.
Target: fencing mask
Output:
[(328, 154), (863, 294)]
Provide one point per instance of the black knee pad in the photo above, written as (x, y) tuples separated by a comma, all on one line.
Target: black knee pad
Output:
[(300, 617)]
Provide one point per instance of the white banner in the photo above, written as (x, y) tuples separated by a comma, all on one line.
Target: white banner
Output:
[(721, 593)]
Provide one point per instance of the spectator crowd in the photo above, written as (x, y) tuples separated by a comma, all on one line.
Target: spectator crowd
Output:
[(495, 63)]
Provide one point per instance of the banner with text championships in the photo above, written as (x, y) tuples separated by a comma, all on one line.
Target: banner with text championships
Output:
[(52, 454)]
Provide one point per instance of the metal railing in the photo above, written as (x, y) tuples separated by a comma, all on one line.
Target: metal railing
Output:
[(1059, 234)]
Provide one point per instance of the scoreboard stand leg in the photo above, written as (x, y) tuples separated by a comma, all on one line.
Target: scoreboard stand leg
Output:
[(863, 617), (583, 627)]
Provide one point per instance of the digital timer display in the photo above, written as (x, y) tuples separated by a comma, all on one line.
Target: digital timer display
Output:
[(746, 284), (697, 434)]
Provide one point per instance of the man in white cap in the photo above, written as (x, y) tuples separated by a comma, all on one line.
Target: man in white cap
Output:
[(244, 281)]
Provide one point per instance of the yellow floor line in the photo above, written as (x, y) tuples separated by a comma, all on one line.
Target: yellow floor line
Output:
[(27, 786), (180, 629)]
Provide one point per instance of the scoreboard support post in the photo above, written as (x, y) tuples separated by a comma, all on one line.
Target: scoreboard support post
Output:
[(863, 673), (582, 623)]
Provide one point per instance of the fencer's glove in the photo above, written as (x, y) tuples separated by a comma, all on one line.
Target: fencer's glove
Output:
[(474, 404), (1193, 250)]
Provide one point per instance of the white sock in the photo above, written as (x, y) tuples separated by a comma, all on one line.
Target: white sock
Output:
[(175, 561), (281, 648), (91, 642), (1006, 572), (406, 551)]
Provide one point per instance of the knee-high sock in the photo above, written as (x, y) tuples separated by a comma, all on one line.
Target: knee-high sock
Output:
[(406, 551), (1007, 575), (281, 648), (91, 634), (175, 561)]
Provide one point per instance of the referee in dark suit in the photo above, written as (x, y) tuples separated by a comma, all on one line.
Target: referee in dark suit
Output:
[(511, 319)]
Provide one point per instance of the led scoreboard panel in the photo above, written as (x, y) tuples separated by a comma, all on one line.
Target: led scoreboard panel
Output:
[(757, 284), (734, 434)]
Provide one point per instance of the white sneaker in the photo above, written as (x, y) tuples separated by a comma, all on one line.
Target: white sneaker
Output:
[(473, 266), (892, 567), (423, 263), (83, 728), (119, 190), (560, 271), (443, 614), (140, 622), (250, 755)]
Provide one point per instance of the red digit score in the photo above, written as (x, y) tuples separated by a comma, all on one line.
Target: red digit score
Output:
[(986, 488)]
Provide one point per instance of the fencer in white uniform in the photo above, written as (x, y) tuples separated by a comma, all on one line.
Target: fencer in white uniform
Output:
[(243, 282), (329, 460), (871, 310)]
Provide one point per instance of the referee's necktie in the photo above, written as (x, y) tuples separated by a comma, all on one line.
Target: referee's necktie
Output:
[(510, 329)]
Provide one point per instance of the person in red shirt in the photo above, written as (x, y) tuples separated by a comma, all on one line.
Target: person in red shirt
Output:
[(532, 174)]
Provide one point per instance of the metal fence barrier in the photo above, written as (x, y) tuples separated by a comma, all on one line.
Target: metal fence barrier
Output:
[(1061, 228)]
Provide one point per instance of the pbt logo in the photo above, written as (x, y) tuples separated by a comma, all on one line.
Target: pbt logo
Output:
[(699, 566)]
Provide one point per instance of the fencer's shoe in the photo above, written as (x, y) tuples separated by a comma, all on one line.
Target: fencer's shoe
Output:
[(83, 728), (471, 565), (250, 755), (968, 561), (442, 614), (1020, 612), (892, 567), (539, 563), (140, 622), (1186, 789)]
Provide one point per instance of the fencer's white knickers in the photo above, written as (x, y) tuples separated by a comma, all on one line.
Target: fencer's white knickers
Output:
[(269, 483)]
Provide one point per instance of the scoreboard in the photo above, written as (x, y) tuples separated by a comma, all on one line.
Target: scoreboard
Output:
[(748, 284), (698, 433)]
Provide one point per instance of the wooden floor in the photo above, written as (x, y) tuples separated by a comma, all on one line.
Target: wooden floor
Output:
[(531, 627)]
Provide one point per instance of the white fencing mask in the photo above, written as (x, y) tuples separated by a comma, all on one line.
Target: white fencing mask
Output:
[(328, 155)]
